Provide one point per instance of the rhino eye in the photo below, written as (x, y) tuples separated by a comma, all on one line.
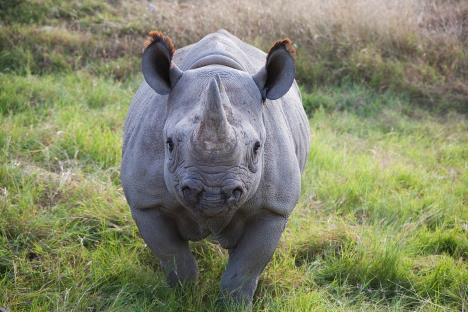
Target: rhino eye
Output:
[(256, 147), (170, 144)]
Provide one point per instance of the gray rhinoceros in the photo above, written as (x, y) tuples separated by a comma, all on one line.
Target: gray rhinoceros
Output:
[(215, 142)]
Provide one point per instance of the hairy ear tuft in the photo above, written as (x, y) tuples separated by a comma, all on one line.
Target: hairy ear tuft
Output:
[(277, 76), (159, 71), (287, 44), (157, 36)]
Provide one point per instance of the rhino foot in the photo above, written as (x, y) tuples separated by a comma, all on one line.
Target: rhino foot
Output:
[(239, 299), (160, 234), (181, 271)]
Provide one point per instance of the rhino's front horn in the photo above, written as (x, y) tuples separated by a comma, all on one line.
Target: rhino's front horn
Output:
[(214, 133)]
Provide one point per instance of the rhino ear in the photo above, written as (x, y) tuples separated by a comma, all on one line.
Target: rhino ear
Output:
[(277, 76), (159, 71)]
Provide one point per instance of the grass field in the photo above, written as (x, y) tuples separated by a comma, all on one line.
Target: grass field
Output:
[(382, 224)]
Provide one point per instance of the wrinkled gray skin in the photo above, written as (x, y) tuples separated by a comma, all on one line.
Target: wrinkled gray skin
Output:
[(215, 146)]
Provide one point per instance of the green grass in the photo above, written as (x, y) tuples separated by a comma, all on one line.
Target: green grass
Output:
[(382, 223)]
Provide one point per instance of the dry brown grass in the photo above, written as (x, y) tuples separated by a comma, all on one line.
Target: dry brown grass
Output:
[(418, 46), (415, 46), (375, 21)]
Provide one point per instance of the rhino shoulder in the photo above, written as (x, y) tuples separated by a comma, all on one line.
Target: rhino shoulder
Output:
[(285, 153), (142, 168)]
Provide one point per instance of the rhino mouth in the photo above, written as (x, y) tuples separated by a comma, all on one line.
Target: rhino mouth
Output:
[(214, 205), (208, 201)]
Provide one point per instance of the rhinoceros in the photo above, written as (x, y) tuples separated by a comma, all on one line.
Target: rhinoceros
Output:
[(215, 142)]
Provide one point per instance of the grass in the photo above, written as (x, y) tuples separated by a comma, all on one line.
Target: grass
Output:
[(382, 221)]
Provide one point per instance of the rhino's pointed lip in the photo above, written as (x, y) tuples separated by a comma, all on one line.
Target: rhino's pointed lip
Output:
[(213, 215), (212, 207)]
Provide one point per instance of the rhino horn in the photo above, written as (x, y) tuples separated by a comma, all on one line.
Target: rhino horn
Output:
[(214, 133)]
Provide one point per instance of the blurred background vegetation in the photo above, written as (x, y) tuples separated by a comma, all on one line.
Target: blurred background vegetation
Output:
[(413, 47), (382, 224)]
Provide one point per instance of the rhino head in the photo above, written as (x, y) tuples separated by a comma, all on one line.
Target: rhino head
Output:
[(214, 130)]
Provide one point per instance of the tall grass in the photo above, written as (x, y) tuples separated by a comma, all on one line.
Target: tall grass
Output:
[(381, 225), (414, 46), (382, 221)]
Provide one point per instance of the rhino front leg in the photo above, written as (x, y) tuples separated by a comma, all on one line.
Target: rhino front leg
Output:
[(160, 234), (250, 256)]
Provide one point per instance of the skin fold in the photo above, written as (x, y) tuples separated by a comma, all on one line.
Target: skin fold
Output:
[(215, 142)]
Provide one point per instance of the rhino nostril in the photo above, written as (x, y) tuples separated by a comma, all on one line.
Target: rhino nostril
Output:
[(191, 194), (237, 193), (186, 191)]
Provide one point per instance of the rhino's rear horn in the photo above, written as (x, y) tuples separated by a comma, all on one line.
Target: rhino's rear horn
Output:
[(159, 71)]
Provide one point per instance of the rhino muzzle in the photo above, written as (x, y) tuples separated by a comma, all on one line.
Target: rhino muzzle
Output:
[(210, 201)]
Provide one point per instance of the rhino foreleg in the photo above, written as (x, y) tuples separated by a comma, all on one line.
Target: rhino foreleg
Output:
[(160, 234), (250, 256)]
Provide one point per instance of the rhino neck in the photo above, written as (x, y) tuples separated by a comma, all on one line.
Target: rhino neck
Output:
[(217, 59), (214, 49)]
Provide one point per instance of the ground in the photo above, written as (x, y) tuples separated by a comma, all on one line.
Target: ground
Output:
[(382, 223)]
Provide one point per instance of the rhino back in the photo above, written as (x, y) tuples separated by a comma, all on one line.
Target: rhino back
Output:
[(223, 43)]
